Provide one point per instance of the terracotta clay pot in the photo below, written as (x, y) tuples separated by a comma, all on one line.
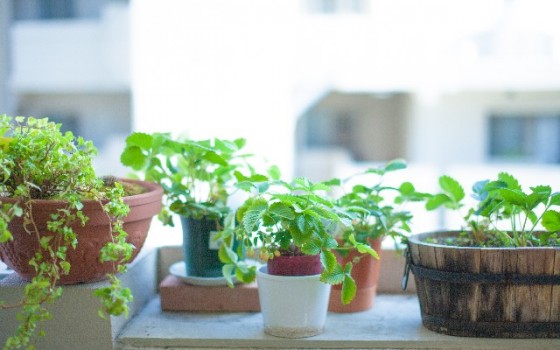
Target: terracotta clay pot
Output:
[(84, 260), (295, 265), (366, 275)]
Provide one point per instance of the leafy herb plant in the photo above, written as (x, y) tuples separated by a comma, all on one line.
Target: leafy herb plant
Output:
[(378, 210), (290, 219), (197, 176), (503, 213), (37, 161)]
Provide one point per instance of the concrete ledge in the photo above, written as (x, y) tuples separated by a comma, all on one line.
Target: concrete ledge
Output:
[(393, 323), (75, 323)]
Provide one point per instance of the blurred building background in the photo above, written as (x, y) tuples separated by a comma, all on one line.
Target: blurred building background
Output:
[(320, 87)]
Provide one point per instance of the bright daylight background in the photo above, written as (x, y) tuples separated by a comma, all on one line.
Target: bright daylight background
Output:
[(322, 88)]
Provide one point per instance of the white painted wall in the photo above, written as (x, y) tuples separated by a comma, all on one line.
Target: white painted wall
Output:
[(79, 55), (250, 68), (216, 68)]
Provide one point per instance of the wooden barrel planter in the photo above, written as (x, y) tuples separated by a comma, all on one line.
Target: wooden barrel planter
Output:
[(486, 292)]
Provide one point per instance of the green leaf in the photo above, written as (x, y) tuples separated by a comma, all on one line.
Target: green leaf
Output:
[(437, 201), (227, 255), (246, 274), (538, 196), (215, 158), (407, 188), (396, 164), (311, 247), (333, 182), (240, 177), (5, 236), (361, 247), (18, 211), (551, 220), (555, 199), (452, 188), (509, 180), (348, 289), (254, 213), (240, 143), (514, 197), (245, 186), (258, 178), (44, 241), (262, 187), (281, 210), (367, 249), (333, 276), (376, 171), (328, 259), (141, 140), (320, 186), (542, 190), (480, 190), (227, 272), (361, 189), (274, 172), (134, 158)]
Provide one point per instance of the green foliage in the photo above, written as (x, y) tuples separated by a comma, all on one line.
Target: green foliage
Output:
[(294, 218), (451, 196), (197, 176), (378, 210), (38, 161), (504, 215)]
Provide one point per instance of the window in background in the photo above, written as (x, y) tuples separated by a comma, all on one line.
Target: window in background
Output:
[(59, 9), (531, 138), (69, 122), (43, 9), (369, 127), (332, 7)]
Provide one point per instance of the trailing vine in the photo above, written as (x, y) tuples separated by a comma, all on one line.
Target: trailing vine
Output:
[(38, 161)]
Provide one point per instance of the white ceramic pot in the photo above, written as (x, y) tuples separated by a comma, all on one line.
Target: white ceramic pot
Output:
[(292, 306)]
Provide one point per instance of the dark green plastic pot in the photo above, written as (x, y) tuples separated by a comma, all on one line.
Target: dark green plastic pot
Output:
[(201, 252)]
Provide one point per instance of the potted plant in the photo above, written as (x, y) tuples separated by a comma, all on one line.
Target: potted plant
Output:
[(378, 212), (61, 224), (498, 276), (291, 224), (198, 178)]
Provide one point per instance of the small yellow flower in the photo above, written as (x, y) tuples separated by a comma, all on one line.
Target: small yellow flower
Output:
[(5, 142), (264, 256)]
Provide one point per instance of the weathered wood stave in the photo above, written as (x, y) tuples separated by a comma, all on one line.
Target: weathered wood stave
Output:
[(487, 309)]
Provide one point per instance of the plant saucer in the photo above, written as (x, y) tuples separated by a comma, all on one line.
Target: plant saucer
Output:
[(179, 270)]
